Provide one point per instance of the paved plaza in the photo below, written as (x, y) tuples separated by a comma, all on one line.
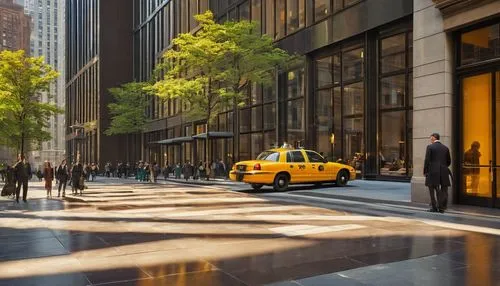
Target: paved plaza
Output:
[(124, 233)]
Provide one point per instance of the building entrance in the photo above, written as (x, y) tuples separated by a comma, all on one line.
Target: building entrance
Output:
[(480, 152)]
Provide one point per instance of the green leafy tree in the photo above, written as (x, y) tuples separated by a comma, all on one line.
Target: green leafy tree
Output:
[(128, 111), (24, 118), (212, 68)]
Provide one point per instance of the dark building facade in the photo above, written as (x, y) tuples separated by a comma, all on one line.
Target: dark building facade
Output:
[(99, 47), (353, 85)]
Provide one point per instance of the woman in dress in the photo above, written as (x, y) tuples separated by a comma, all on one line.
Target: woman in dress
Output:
[(48, 175)]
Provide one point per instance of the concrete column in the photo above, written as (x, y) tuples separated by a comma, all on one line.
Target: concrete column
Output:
[(432, 88)]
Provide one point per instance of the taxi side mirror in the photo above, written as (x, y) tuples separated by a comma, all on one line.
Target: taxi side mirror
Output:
[(325, 160)]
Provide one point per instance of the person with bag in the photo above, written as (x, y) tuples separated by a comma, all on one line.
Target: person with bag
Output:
[(76, 178), (62, 174)]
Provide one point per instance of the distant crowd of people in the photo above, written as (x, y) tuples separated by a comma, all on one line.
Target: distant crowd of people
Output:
[(18, 175)]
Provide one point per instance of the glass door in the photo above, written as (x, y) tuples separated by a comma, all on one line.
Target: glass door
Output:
[(480, 150), (496, 167)]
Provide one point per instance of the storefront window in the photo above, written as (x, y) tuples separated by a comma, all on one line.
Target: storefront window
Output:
[(269, 17), (295, 121), (280, 19), (354, 142), (269, 116), (257, 118), (354, 99), (244, 10), (296, 86), (269, 140), (193, 10), (324, 72), (296, 16), (395, 104), (338, 5), (392, 153), (324, 115), (269, 94), (257, 144), (393, 91), (353, 65), (245, 120), (480, 45), (256, 94), (245, 153), (223, 122), (393, 51), (321, 9), (257, 12)]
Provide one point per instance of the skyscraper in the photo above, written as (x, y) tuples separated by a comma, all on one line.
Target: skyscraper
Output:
[(98, 57), (47, 40)]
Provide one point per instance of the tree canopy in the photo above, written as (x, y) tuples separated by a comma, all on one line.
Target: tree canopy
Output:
[(24, 118), (128, 111), (211, 67)]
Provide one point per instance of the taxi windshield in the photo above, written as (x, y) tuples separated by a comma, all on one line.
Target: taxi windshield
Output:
[(269, 156)]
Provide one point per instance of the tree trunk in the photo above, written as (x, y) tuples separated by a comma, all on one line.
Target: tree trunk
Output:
[(22, 144), (207, 147)]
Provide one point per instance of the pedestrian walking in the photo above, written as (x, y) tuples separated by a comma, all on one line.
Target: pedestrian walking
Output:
[(22, 173), (62, 174), (48, 176), (437, 173), (187, 170), (178, 171), (76, 178)]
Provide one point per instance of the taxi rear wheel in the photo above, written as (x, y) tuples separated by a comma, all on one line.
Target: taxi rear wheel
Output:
[(257, 187), (342, 178), (281, 182)]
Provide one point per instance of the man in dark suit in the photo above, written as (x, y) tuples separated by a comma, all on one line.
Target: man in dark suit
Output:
[(437, 174), (22, 171)]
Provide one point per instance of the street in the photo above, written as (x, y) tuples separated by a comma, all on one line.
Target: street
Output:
[(121, 232)]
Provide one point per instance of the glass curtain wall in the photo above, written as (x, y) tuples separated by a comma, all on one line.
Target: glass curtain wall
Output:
[(395, 105), (339, 108)]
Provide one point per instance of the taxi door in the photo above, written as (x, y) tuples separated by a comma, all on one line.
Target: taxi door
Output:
[(318, 169), (297, 166)]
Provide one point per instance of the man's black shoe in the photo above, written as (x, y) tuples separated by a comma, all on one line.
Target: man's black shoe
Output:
[(441, 211), (17, 200), (24, 200), (433, 210)]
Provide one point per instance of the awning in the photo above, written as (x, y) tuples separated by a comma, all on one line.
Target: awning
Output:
[(177, 140), (215, 135)]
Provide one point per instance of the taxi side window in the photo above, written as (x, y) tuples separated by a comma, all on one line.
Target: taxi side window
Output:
[(295, 157), (314, 157)]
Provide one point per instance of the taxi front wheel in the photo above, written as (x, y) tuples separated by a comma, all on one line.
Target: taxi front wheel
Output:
[(281, 182), (342, 178)]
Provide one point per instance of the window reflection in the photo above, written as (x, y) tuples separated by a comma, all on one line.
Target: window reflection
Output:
[(269, 116), (257, 145), (296, 18), (257, 118), (354, 99), (393, 91), (321, 9), (480, 45), (353, 65), (392, 153), (244, 10), (324, 72), (295, 121)]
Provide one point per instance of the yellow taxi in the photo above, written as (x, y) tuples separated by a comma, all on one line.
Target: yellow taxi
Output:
[(282, 166)]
